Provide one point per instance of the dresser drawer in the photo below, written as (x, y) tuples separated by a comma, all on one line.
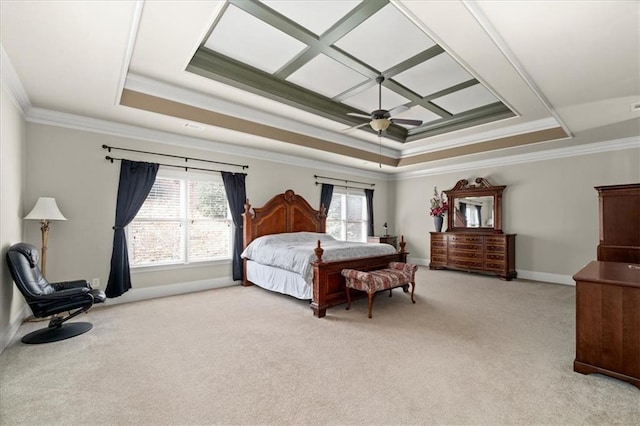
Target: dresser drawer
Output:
[(466, 239), (492, 248), (437, 251), (465, 246), (464, 255), (466, 264), (495, 266), (496, 239), (494, 257), (438, 244), (438, 259)]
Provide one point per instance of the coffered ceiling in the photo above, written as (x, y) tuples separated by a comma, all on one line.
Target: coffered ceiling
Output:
[(325, 57), (297, 79)]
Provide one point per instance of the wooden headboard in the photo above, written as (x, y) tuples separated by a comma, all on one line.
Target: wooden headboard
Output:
[(286, 212)]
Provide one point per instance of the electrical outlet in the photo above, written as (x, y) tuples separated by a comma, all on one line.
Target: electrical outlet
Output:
[(95, 283)]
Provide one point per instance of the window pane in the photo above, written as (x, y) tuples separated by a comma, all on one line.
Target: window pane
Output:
[(209, 239), (334, 217), (354, 207), (207, 200), (163, 201), (355, 231), (155, 242), (181, 221), (209, 225)]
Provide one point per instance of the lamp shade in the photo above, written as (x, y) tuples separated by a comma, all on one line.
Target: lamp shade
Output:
[(45, 209), (380, 124)]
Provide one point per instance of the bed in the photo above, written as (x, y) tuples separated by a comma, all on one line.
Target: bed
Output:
[(291, 215)]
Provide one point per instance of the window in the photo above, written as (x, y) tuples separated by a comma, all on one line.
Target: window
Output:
[(347, 217), (184, 219)]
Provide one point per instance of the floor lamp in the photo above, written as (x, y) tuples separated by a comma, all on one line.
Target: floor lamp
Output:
[(45, 210)]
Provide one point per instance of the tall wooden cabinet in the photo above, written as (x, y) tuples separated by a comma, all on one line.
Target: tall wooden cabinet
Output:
[(619, 207), (608, 291)]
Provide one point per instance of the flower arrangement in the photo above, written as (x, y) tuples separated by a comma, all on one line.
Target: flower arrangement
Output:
[(439, 205)]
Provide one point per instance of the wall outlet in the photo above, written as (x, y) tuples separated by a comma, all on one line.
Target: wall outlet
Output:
[(95, 283)]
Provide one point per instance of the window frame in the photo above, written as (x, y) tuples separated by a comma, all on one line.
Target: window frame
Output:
[(344, 220), (185, 177)]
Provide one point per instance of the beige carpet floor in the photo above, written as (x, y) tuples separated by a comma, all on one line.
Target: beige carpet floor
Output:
[(472, 350)]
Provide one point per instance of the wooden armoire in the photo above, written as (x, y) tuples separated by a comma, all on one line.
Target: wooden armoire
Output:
[(608, 291), (619, 207)]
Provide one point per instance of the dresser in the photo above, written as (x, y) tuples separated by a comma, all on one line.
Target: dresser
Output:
[(487, 253), (386, 239), (608, 320)]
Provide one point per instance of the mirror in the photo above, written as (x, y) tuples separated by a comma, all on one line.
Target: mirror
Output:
[(475, 207)]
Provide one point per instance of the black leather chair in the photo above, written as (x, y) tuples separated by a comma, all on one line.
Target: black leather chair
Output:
[(49, 299)]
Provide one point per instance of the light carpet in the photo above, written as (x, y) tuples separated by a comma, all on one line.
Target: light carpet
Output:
[(472, 350)]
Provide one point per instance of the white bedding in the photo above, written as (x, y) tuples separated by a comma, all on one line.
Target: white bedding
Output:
[(279, 280), (294, 251)]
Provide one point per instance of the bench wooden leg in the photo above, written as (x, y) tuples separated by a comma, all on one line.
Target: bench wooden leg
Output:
[(371, 296), (348, 297)]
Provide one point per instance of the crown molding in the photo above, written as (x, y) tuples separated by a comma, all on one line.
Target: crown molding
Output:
[(495, 37), (503, 132), (60, 119), (551, 154), (131, 42), (12, 83), (164, 90)]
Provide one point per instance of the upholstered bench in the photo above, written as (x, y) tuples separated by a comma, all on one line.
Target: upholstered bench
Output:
[(396, 275)]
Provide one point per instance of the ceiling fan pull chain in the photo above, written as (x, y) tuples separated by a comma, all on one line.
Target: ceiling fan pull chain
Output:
[(380, 144)]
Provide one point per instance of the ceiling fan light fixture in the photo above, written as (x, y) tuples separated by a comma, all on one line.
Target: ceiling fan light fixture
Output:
[(380, 124)]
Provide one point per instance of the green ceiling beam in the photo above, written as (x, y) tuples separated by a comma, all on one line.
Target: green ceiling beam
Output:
[(216, 66)]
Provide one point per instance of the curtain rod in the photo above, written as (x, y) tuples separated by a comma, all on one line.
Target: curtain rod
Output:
[(343, 186), (342, 180), (109, 148), (186, 168)]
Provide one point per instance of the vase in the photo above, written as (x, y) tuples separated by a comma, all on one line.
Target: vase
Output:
[(437, 221)]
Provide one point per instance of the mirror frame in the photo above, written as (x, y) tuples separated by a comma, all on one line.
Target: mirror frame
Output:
[(481, 188)]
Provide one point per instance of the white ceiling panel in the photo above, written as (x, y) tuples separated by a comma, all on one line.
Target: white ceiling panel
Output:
[(438, 73), (385, 39), (326, 76), (315, 15), (367, 100), (466, 99), (258, 44)]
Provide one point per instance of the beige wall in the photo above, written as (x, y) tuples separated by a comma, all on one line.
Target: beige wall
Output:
[(12, 172), (69, 165), (551, 205)]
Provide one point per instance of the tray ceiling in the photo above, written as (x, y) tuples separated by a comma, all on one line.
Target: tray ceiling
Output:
[(324, 58)]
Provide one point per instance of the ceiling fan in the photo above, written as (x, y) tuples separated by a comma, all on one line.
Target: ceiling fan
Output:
[(381, 119)]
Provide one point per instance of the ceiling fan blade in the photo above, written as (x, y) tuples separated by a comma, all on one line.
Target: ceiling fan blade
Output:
[(357, 114), (406, 121), (398, 110), (350, 129)]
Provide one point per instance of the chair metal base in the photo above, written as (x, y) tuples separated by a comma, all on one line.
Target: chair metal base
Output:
[(54, 334)]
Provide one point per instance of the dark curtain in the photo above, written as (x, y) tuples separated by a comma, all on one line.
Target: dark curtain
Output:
[(369, 194), (326, 194), (234, 186), (136, 180), (479, 208)]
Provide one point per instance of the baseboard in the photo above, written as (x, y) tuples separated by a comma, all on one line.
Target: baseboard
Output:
[(546, 277), (525, 275), (7, 334), (138, 294)]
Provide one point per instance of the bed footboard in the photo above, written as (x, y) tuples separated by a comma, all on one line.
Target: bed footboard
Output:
[(329, 284)]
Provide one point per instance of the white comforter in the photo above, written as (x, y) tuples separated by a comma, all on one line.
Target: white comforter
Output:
[(294, 251)]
